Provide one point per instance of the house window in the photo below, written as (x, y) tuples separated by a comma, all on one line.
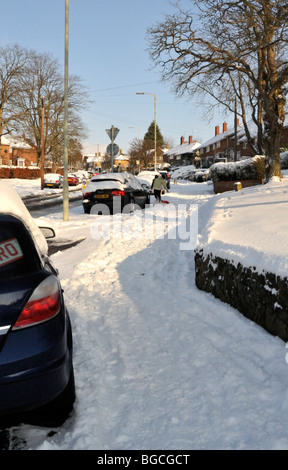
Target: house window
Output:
[(21, 162)]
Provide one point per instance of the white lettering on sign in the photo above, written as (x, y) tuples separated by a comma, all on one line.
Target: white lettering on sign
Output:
[(10, 251)]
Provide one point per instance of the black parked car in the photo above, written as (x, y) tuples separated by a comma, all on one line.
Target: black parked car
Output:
[(114, 192), (36, 369)]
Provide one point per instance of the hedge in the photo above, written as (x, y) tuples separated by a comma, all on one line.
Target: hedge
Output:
[(249, 169), (21, 173), (28, 173)]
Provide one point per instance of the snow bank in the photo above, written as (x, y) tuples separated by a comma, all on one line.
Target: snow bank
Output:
[(250, 227)]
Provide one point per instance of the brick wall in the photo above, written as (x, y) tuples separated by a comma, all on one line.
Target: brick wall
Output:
[(222, 186), (29, 155), (260, 296)]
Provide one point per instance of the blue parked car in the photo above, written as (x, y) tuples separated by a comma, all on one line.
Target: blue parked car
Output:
[(36, 368)]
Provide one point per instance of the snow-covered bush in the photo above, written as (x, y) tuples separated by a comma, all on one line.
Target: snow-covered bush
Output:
[(251, 168)]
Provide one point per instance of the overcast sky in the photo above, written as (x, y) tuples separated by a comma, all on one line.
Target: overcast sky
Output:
[(108, 50)]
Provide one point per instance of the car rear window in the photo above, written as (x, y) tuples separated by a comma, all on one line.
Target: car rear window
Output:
[(18, 255)]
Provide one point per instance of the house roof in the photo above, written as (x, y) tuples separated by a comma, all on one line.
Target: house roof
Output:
[(182, 149), (14, 142), (240, 133)]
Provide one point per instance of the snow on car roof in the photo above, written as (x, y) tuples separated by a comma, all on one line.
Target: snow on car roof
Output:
[(12, 204)]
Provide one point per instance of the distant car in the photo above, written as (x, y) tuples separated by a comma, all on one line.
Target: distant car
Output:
[(191, 176), (36, 368), (187, 175), (114, 191), (201, 175), (53, 180), (73, 180)]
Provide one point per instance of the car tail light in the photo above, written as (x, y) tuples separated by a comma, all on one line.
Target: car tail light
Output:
[(44, 303), (118, 193), (86, 195)]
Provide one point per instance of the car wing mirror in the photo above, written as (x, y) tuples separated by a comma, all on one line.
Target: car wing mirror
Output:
[(48, 232)]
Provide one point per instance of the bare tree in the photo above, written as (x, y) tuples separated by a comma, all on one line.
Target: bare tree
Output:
[(13, 60), (75, 151), (244, 39), (142, 151), (106, 162), (135, 153), (42, 79)]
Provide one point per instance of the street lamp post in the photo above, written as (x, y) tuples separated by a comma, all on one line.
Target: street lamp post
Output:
[(65, 183), (155, 132), (42, 142)]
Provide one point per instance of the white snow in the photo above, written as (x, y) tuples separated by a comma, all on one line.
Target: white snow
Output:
[(160, 365), (11, 204)]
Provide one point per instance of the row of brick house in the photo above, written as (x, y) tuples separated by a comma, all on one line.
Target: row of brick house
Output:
[(219, 148), (221, 145), (184, 152), (20, 152)]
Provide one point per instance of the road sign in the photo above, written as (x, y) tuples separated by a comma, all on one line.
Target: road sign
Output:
[(112, 133), (115, 150)]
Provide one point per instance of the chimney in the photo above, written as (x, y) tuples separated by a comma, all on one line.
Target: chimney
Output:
[(190, 139), (182, 140), (224, 126), (217, 132)]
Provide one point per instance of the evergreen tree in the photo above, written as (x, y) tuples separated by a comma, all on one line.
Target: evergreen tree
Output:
[(150, 135)]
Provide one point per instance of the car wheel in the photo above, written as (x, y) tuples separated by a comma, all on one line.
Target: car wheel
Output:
[(65, 401), (87, 210), (55, 413)]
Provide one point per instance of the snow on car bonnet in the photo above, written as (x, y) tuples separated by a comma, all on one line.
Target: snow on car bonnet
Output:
[(12, 204)]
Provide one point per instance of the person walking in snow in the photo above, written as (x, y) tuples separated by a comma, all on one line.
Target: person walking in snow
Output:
[(159, 183)]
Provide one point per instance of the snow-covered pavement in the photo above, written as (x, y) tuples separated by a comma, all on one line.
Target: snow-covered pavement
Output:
[(158, 363)]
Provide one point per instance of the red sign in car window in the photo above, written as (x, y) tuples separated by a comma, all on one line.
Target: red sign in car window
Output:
[(10, 251)]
